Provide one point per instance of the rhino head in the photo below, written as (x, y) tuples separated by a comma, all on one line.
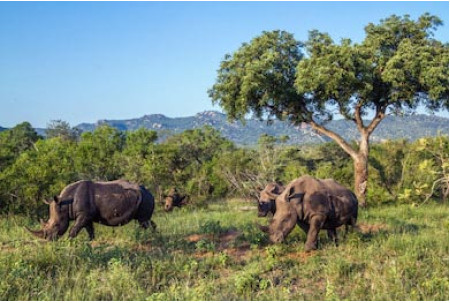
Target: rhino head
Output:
[(57, 224), (169, 203), (267, 197), (173, 199), (285, 218)]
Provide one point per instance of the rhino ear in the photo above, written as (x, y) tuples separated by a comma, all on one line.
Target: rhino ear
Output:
[(277, 189), (272, 195), (272, 191), (56, 199)]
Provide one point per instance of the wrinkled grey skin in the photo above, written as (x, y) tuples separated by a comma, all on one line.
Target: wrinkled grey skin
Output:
[(266, 200), (174, 199), (313, 204), (111, 203)]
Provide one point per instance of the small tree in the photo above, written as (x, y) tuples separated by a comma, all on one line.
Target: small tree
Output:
[(97, 153), (62, 129), (14, 141), (397, 67)]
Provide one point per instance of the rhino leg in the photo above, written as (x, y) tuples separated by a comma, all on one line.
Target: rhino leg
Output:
[(315, 225), (144, 224), (350, 224), (90, 230), (332, 235), (80, 223), (304, 226)]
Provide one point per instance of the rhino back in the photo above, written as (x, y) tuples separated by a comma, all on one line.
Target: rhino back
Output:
[(109, 203), (306, 184), (68, 193)]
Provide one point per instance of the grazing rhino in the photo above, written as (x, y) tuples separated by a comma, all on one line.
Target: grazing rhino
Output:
[(266, 200), (313, 204), (174, 199), (111, 203)]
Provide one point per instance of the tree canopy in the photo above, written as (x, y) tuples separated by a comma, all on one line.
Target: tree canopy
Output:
[(397, 67)]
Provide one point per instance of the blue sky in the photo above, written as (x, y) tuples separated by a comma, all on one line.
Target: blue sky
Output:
[(85, 61)]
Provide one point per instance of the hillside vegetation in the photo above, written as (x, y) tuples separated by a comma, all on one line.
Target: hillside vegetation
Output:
[(393, 127), (408, 127), (205, 165)]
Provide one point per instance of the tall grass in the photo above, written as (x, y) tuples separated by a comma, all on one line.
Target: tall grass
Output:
[(218, 253)]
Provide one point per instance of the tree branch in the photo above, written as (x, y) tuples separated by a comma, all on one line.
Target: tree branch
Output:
[(358, 119), (380, 114), (338, 139)]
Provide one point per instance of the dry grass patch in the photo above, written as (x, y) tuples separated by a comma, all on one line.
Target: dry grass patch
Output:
[(371, 228)]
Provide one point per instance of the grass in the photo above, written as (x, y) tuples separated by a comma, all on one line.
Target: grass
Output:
[(218, 253)]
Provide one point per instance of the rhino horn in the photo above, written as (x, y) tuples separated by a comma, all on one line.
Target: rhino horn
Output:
[(36, 233)]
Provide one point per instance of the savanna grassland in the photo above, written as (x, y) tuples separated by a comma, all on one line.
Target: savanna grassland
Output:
[(400, 252)]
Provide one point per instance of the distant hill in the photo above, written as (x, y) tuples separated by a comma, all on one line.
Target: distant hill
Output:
[(409, 127)]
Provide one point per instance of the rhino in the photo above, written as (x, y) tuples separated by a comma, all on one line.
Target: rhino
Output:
[(112, 203), (266, 200), (313, 204), (174, 199)]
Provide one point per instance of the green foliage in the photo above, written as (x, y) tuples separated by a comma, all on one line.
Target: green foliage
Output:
[(197, 151), (259, 73), (397, 60), (428, 159), (211, 227), (15, 141), (136, 158), (96, 154), (37, 174), (204, 165)]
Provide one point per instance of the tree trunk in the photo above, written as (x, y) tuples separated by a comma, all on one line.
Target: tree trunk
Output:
[(361, 169), (360, 157), (361, 177)]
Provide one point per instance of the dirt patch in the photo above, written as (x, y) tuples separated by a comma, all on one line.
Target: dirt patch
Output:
[(15, 245), (223, 240), (229, 236), (144, 247), (198, 237), (7, 249), (202, 255), (239, 253), (371, 228)]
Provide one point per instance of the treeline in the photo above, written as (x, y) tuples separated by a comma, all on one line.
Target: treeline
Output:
[(203, 164)]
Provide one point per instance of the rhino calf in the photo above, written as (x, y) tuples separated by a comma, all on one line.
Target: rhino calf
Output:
[(313, 204), (111, 203)]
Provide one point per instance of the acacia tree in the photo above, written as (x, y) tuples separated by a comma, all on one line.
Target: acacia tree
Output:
[(397, 67)]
